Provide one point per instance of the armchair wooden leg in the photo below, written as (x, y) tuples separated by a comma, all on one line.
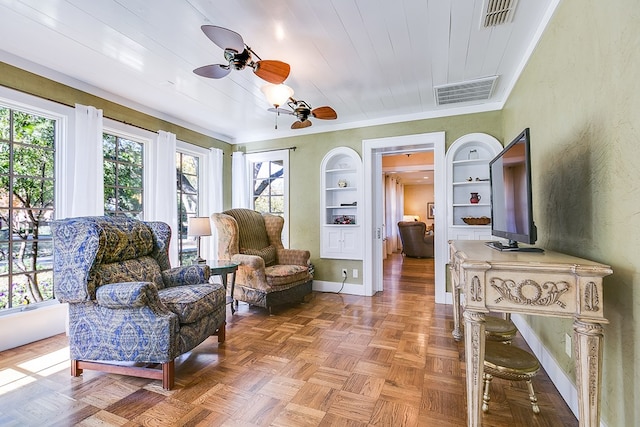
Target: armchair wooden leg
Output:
[(168, 375), (221, 333), (76, 371)]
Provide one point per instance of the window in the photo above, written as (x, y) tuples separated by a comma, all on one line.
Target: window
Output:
[(188, 176), (268, 187), (269, 174), (27, 181), (123, 176)]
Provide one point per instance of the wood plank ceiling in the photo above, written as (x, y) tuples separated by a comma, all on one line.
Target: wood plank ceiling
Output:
[(373, 61)]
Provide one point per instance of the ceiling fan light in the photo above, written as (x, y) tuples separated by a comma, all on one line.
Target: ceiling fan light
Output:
[(277, 95)]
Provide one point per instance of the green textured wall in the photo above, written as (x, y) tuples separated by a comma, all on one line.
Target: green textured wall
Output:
[(580, 95), (305, 174)]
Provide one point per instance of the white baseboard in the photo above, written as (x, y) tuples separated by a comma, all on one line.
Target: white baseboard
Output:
[(565, 386), (348, 288)]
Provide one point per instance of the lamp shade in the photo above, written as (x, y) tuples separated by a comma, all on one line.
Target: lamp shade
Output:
[(199, 226), (277, 94)]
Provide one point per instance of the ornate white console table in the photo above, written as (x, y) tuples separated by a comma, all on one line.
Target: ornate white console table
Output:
[(544, 284)]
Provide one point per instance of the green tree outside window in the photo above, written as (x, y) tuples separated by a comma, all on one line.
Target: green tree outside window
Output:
[(187, 175), (27, 182), (123, 176)]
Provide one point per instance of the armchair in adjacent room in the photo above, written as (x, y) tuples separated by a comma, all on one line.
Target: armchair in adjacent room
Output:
[(268, 274), (127, 306), (415, 242)]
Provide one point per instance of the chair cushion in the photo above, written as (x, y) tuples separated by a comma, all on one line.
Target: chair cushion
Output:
[(268, 254), (281, 275), (143, 269), (193, 302)]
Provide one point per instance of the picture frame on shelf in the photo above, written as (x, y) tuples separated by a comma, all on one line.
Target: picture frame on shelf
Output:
[(430, 210)]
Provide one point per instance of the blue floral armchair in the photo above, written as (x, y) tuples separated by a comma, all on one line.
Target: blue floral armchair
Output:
[(126, 303)]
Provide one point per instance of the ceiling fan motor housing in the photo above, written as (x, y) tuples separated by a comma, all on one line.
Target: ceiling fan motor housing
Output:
[(237, 60), (301, 111)]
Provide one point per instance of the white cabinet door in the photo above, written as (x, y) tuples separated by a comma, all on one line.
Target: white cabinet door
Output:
[(341, 242), (470, 233), (333, 240), (351, 242)]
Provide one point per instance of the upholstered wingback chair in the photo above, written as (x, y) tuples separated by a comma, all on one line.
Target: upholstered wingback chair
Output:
[(415, 242), (126, 303), (268, 274)]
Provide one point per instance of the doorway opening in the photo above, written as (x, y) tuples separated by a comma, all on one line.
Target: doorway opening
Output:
[(373, 150), (408, 192)]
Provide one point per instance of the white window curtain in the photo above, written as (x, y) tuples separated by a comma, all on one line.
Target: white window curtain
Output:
[(240, 194), (163, 188), (394, 200), (390, 189), (385, 234), (399, 211), (214, 189), (85, 188)]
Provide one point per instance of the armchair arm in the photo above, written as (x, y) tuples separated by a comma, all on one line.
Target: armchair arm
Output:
[(250, 271), (250, 261), (186, 275), (127, 295), (293, 256)]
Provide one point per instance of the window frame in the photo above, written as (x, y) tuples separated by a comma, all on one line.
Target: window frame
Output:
[(29, 104), (202, 155), (144, 137), (271, 156)]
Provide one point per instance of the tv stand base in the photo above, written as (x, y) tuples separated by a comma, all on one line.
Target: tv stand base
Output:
[(498, 246)]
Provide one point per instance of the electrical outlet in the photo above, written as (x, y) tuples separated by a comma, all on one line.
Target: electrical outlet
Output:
[(354, 273), (567, 345), (344, 273)]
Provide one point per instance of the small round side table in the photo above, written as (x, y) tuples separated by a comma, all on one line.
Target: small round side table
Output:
[(223, 268)]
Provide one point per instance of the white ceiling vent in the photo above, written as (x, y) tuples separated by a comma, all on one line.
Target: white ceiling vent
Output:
[(497, 12), (472, 90)]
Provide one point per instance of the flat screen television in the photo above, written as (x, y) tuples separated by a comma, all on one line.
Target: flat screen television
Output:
[(511, 201)]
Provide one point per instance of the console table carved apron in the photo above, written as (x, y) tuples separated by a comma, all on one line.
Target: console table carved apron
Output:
[(542, 284)]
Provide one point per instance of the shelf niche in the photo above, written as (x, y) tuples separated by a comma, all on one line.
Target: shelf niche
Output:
[(467, 163), (341, 204)]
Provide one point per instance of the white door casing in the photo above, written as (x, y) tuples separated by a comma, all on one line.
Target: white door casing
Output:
[(372, 150)]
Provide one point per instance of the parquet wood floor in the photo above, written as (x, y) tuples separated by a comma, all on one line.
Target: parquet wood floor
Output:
[(339, 360)]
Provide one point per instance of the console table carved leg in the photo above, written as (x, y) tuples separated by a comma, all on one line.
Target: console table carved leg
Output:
[(457, 332), (474, 355), (587, 342)]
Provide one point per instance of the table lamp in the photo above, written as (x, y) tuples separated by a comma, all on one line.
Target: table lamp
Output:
[(198, 227)]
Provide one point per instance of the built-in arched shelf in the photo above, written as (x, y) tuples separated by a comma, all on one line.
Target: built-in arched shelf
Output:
[(341, 204), (467, 163)]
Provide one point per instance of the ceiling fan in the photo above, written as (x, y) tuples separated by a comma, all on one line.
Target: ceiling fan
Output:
[(239, 56), (302, 110)]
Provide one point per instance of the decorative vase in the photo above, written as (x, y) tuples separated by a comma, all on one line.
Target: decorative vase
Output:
[(475, 198)]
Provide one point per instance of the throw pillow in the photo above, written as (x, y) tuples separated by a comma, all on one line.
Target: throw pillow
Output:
[(268, 254)]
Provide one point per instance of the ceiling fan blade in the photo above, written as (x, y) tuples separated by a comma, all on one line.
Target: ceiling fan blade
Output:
[(280, 111), (324, 113), (274, 72), (301, 124), (223, 37), (215, 71)]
